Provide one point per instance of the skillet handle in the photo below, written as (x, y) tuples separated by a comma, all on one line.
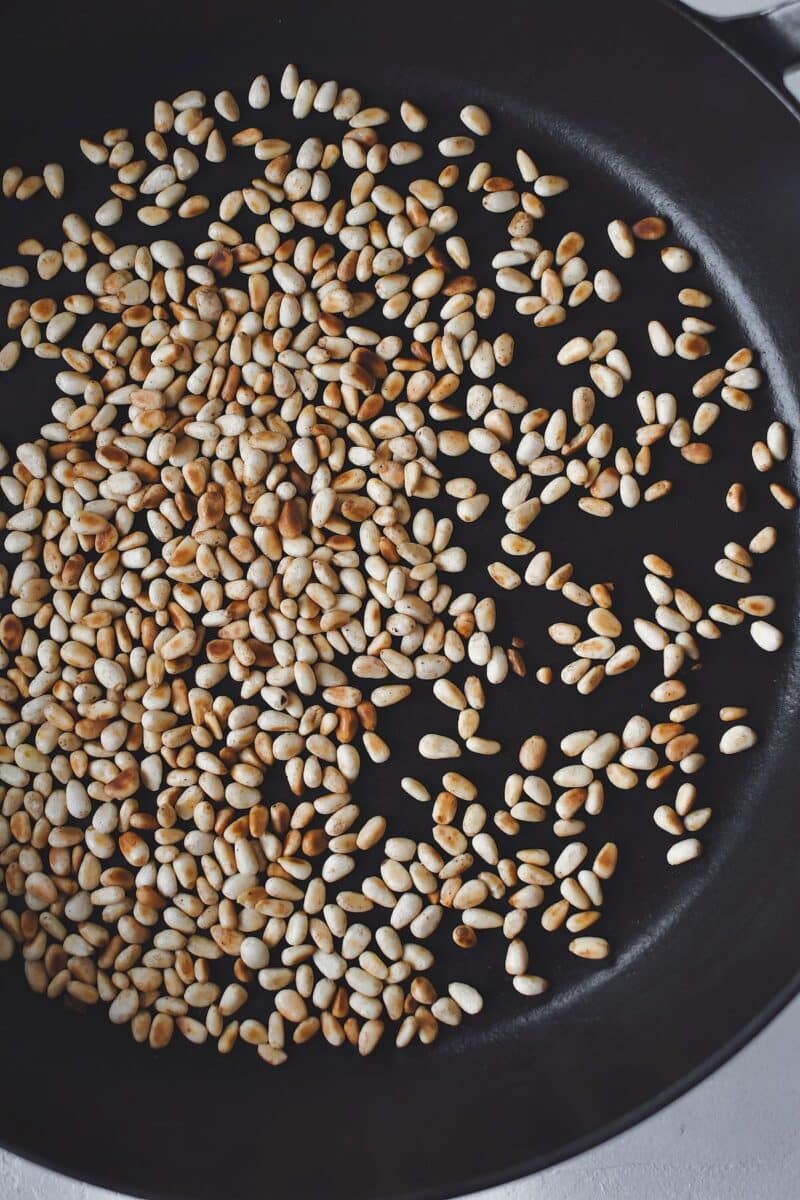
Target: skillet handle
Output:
[(768, 41)]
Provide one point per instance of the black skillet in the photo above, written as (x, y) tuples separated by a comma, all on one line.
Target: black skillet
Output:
[(646, 108)]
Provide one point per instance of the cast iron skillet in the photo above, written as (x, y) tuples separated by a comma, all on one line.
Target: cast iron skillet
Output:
[(644, 106)]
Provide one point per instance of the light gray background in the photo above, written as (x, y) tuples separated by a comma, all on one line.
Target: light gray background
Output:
[(733, 1138)]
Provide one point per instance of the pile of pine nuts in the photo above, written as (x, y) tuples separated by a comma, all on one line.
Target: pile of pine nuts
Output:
[(236, 543)]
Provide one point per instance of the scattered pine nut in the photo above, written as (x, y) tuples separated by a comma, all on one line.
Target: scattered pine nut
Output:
[(53, 174), (246, 486), (684, 851)]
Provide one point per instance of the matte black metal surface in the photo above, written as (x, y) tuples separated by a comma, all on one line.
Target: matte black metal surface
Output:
[(768, 41), (644, 111)]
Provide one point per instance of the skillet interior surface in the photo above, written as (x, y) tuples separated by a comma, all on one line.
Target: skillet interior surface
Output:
[(643, 112)]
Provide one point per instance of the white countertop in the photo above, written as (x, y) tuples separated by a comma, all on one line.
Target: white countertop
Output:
[(732, 1138)]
